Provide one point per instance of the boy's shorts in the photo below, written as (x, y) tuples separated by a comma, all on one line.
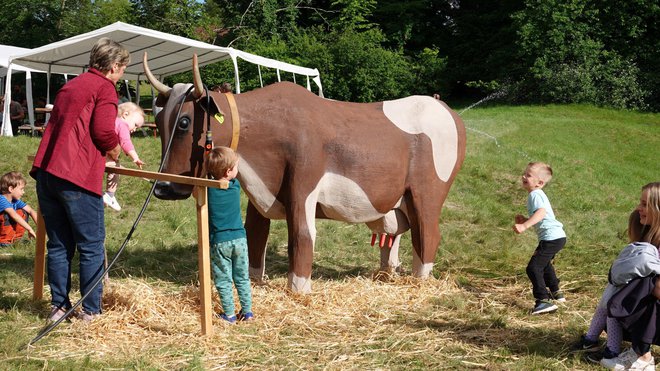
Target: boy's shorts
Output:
[(10, 231)]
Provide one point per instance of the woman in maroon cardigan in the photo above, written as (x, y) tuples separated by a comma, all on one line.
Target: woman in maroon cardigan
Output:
[(69, 168)]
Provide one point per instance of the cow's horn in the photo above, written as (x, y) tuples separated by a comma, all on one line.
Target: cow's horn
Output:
[(197, 79), (159, 86)]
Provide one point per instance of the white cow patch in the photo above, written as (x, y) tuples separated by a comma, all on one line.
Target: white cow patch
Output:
[(420, 269), (301, 285), (421, 114), (342, 199)]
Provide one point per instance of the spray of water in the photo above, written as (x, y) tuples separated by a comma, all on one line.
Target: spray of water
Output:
[(495, 95)]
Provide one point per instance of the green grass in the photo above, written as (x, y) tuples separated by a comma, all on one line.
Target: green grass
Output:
[(600, 157)]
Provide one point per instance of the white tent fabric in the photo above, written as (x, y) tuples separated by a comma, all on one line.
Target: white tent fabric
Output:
[(168, 54), (7, 51)]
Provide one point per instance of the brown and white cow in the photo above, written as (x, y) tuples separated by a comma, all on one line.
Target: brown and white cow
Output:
[(388, 164)]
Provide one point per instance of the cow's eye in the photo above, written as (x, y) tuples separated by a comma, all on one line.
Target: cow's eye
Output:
[(184, 123)]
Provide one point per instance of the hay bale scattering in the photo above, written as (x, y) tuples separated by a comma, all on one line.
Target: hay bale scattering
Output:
[(352, 323)]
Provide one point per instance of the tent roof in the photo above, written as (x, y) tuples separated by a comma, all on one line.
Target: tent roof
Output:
[(7, 51), (168, 54)]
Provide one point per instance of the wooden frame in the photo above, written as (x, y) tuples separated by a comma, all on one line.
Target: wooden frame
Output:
[(203, 255)]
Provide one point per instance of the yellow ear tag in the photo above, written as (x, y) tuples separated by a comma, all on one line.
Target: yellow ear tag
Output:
[(220, 117)]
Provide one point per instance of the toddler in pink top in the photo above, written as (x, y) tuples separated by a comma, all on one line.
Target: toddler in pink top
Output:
[(129, 117)]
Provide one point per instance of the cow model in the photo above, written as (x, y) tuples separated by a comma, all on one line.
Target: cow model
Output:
[(388, 164)]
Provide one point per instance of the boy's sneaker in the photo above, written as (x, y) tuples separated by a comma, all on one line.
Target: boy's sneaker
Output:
[(247, 316), (558, 296), (628, 360), (231, 319), (585, 344), (598, 357), (111, 201), (544, 306)]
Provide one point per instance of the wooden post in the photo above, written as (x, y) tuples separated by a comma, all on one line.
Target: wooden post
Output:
[(204, 252), (204, 261), (39, 259)]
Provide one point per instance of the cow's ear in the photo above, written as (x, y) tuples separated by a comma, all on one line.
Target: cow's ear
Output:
[(215, 104)]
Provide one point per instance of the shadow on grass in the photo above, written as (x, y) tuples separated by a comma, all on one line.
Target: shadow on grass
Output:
[(277, 264), (519, 341), (17, 267), (179, 264)]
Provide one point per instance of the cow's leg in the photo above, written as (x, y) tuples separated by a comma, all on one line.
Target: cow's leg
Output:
[(300, 217), (256, 227), (425, 230), (389, 257)]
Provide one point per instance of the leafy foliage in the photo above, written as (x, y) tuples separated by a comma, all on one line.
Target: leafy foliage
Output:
[(603, 52), (568, 61)]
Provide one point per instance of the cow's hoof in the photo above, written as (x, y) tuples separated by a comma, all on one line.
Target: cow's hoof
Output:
[(300, 285), (387, 274), (421, 270), (257, 276)]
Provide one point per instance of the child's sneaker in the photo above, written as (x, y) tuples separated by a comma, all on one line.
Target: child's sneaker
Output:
[(231, 319), (605, 354), (628, 360), (111, 201), (558, 296), (585, 344), (544, 306), (247, 316)]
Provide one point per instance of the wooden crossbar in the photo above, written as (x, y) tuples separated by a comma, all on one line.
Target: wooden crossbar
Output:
[(203, 256)]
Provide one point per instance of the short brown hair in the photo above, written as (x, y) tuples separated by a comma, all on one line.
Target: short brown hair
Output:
[(107, 52), (11, 179), (219, 160)]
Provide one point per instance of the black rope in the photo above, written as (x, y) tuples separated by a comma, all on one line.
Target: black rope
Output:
[(47, 329)]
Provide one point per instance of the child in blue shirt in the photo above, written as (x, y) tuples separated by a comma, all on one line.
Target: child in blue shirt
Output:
[(229, 254), (552, 238), (15, 213)]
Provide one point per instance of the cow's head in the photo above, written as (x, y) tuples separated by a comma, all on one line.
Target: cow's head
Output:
[(182, 124)]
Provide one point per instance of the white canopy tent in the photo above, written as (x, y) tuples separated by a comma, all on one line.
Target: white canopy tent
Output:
[(7, 51), (168, 54)]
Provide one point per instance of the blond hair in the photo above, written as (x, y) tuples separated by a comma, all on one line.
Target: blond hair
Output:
[(544, 170), (128, 107), (11, 179), (105, 53), (652, 234), (219, 160)]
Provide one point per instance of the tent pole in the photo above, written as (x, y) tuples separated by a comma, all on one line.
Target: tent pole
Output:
[(238, 81), (6, 116), (28, 97)]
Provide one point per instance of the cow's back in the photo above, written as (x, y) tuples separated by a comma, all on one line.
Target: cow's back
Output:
[(363, 147)]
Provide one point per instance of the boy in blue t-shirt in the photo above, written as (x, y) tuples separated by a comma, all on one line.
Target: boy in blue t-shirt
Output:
[(229, 254), (15, 213), (551, 238)]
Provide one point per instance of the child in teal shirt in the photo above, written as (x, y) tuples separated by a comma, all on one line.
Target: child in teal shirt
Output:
[(229, 255)]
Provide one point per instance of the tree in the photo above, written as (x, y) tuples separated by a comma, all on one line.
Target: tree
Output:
[(566, 60)]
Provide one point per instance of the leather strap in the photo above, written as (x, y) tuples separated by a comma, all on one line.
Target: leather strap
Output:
[(235, 121)]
